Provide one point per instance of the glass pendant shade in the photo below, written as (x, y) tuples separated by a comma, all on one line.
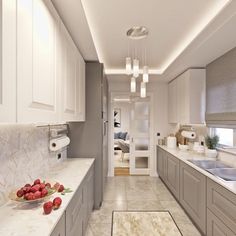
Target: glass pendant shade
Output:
[(135, 68), (128, 65), (133, 85), (145, 74), (143, 90)]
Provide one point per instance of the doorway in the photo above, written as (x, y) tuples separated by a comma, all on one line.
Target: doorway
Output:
[(131, 143)]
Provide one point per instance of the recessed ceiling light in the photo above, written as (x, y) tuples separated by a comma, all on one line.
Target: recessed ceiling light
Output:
[(137, 32)]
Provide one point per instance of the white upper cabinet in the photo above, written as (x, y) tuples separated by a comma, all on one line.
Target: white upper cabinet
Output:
[(50, 80), (82, 89), (8, 61), (187, 97), (37, 64), (172, 102), (73, 80)]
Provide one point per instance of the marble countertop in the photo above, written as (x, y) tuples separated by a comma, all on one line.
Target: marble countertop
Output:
[(190, 155), (18, 219)]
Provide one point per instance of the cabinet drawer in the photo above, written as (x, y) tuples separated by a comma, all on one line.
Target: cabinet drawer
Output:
[(60, 229), (193, 194), (222, 203), (74, 215), (215, 227)]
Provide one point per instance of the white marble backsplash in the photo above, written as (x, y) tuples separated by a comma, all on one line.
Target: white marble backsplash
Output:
[(24, 156)]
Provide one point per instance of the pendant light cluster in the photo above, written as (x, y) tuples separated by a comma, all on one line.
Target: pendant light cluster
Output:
[(133, 66)]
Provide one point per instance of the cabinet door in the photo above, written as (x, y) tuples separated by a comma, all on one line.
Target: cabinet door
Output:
[(193, 194), (8, 61), (60, 228), (75, 214), (81, 91), (69, 77), (160, 163), (215, 227), (172, 102), (182, 98), (37, 67), (172, 174)]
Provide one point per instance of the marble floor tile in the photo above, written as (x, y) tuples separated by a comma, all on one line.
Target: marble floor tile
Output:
[(100, 229), (151, 205), (188, 229), (115, 193), (141, 195), (104, 214)]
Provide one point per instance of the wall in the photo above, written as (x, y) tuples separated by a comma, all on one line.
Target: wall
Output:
[(125, 116), (24, 156)]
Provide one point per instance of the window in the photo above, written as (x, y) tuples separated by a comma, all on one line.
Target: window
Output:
[(227, 137)]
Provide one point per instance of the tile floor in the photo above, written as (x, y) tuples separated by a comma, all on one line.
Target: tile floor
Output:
[(137, 193)]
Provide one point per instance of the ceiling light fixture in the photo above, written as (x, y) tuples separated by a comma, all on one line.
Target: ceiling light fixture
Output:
[(137, 33), (143, 90), (145, 74), (133, 85), (135, 68), (128, 65)]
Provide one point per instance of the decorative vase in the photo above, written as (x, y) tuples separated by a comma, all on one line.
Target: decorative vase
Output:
[(211, 153)]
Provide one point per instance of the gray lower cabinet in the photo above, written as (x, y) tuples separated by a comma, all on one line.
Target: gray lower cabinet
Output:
[(160, 163), (172, 174), (222, 203), (193, 194), (75, 219), (168, 170), (60, 229), (215, 227)]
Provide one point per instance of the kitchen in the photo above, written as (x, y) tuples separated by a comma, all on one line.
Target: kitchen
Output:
[(60, 73)]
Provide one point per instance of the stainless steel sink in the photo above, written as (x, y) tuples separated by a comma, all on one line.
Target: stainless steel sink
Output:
[(209, 164), (228, 174)]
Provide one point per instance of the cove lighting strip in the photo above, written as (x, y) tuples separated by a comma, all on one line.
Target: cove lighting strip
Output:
[(212, 13)]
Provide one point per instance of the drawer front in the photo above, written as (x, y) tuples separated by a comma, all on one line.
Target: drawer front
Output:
[(74, 215), (193, 194), (222, 203), (172, 174), (215, 227), (60, 228)]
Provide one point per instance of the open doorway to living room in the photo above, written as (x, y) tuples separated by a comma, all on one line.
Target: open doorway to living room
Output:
[(132, 139)]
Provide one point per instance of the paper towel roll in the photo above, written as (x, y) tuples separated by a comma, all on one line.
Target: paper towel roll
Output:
[(59, 143), (188, 134), (171, 142)]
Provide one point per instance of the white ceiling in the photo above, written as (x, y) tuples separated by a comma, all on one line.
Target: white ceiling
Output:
[(172, 26), (183, 33)]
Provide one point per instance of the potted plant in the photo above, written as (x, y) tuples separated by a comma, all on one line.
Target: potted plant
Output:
[(211, 143)]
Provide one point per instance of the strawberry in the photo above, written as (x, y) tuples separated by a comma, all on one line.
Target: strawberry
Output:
[(27, 185), (20, 193), (35, 188), (56, 186), (57, 203), (37, 195), (44, 192), (30, 196), (42, 186), (48, 185), (47, 207), (37, 181), (26, 189), (61, 188), (26, 196)]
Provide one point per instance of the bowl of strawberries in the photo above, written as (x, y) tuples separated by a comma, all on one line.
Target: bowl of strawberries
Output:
[(33, 193)]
